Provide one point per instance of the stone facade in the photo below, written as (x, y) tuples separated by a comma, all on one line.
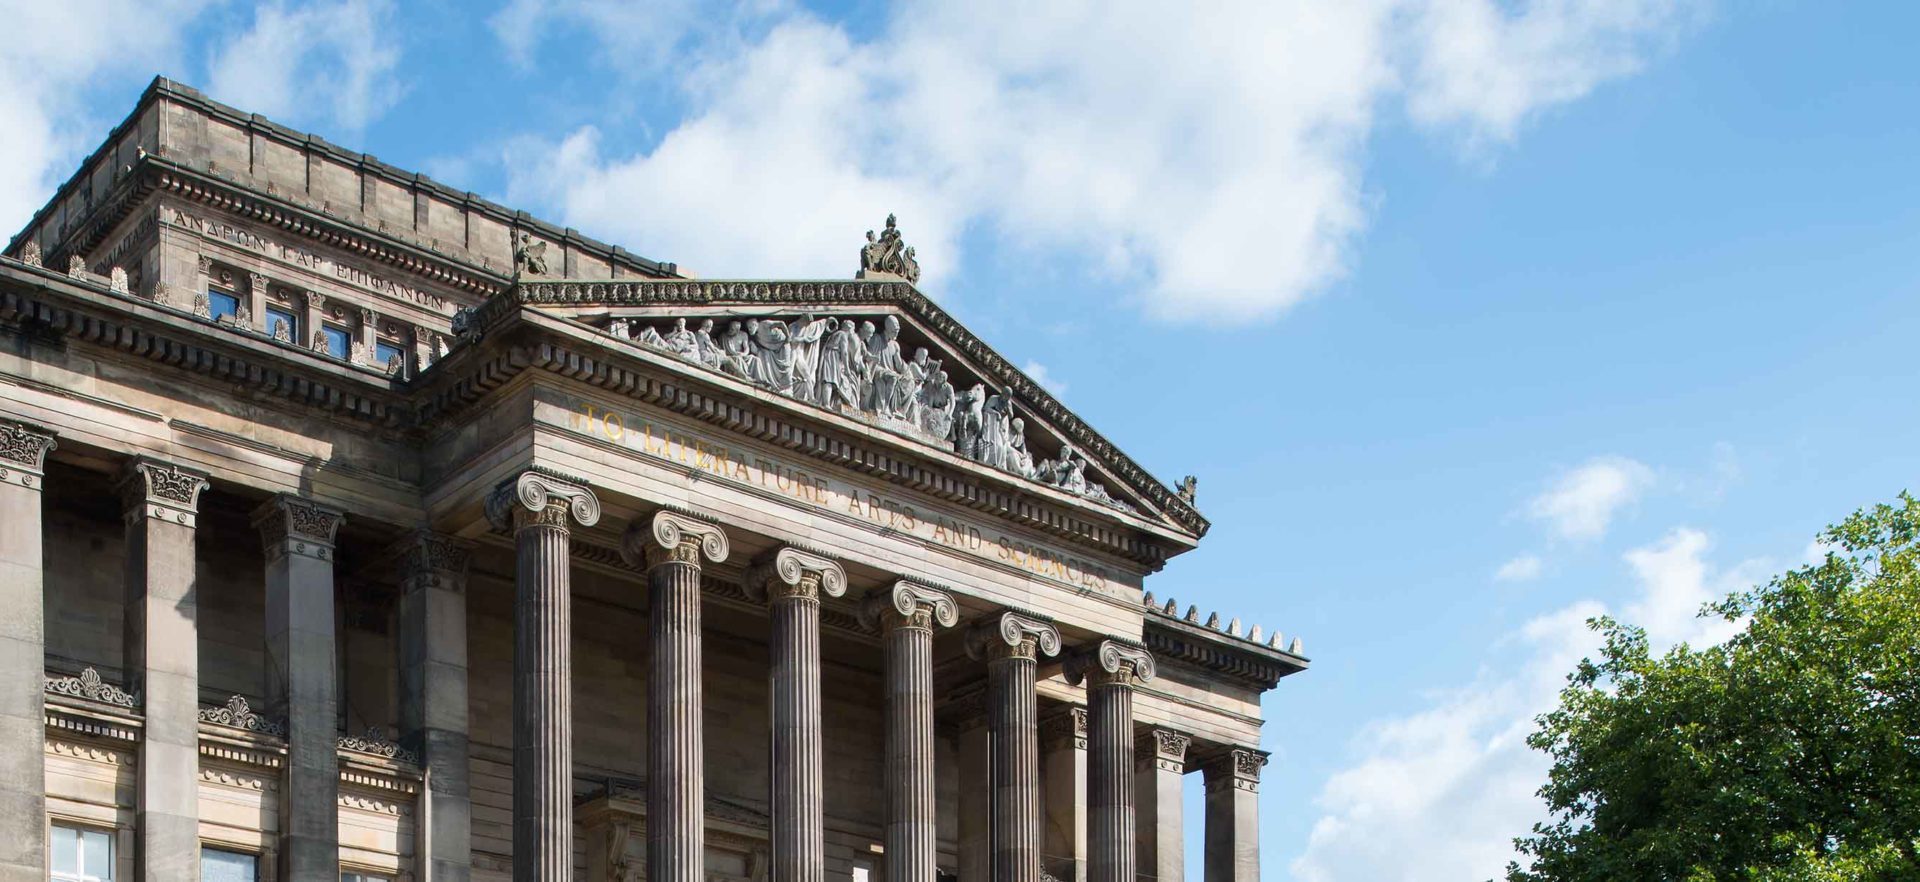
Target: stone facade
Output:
[(354, 524)]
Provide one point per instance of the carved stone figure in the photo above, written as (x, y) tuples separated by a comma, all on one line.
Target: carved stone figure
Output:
[(936, 405), (1188, 488), (774, 355), (737, 351), (888, 391), (1019, 458), (680, 341), (706, 350), (806, 336), (621, 328), (839, 380), (968, 421), (888, 254), (529, 257)]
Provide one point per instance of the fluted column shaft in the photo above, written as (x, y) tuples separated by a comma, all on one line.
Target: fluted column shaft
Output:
[(540, 510), (162, 628), (433, 707), (906, 615), (23, 652), (1011, 643), (791, 582), (676, 751), (1110, 672), (298, 537)]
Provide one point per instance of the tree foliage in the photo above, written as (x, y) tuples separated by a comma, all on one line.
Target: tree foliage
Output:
[(1790, 753)]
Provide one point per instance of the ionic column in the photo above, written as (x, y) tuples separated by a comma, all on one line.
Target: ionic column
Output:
[(1011, 644), (1162, 765), (23, 653), (1063, 743), (433, 703), (906, 614), (163, 662), (1110, 669), (298, 537), (671, 546), (539, 510), (1233, 815), (790, 582)]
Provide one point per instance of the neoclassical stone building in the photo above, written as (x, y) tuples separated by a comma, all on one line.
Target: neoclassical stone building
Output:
[(354, 528)]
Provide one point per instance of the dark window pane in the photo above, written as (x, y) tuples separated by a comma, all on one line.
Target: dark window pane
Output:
[(222, 304), (386, 352), (338, 341)]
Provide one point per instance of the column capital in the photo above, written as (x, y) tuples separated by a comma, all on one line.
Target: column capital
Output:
[(1008, 634), (789, 572), (1236, 767), (1166, 749), (672, 537), (1065, 728), (905, 604), (1109, 663), (431, 560), (289, 524), (156, 489), (540, 498), (23, 454)]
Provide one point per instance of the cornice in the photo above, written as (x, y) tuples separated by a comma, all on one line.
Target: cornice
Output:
[(1249, 664), (878, 293)]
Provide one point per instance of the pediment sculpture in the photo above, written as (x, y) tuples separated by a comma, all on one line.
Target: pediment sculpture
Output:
[(886, 253), (859, 366)]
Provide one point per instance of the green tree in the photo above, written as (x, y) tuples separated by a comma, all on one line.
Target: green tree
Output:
[(1790, 753)]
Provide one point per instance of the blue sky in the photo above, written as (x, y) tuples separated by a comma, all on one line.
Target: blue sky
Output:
[(1473, 318)]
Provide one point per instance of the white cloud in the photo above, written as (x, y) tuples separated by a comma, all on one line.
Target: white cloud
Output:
[(1041, 375), (1524, 568), (330, 63), (1439, 794), (1210, 159), (1582, 502), (52, 55), (635, 38)]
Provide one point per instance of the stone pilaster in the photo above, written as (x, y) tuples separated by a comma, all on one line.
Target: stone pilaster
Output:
[(906, 615), (1011, 644), (433, 701), (1063, 744), (1233, 815), (539, 511), (298, 537), (975, 824), (1110, 669), (1161, 767), (163, 661), (671, 546), (23, 652), (790, 582)]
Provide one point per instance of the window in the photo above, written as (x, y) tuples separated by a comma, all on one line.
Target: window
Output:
[(220, 865), (81, 855), (355, 876), (385, 353), (279, 318), (339, 342), (220, 305)]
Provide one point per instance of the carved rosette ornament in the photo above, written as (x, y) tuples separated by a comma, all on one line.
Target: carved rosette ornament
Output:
[(1012, 635), (292, 525), (790, 573), (162, 491), (1238, 768), (537, 498), (23, 454), (1110, 663), (907, 605), (671, 537), (1167, 749)]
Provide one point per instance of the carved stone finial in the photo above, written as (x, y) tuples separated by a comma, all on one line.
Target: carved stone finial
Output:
[(671, 537), (237, 714), (908, 605), (1193, 614), (1275, 642), (76, 266), (535, 498), (790, 572), (23, 453), (117, 280), (1110, 663), (1189, 488), (1173, 607), (162, 490), (30, 254), (1296, 647), (1213, 621), (202, 307), (1233, 627), (1012, 635), (89, 686), (888, 255), (289, 524), (1147, 600), (1253, 635)]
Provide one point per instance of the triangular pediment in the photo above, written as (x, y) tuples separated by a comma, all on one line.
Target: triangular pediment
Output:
[(879, 352)]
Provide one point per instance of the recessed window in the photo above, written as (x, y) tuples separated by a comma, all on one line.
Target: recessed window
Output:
[(339, 342), (220, 865), (81, 855), (385, 353), (280, 318), (355, 876), (220, 305)]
